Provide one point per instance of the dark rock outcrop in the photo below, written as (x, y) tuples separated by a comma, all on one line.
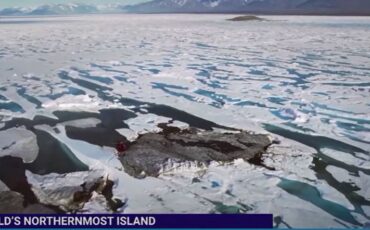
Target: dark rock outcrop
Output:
[(103, 187), (13, 202), (154, 151)]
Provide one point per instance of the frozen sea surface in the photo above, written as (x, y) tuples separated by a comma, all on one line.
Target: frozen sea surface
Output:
[(303, 80)]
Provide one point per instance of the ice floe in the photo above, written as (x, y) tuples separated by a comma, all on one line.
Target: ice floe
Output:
[(19, 142)]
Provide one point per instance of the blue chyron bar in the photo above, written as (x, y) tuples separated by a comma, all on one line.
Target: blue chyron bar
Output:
[(155, 221)]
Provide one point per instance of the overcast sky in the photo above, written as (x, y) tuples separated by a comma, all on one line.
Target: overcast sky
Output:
[(22, 3)]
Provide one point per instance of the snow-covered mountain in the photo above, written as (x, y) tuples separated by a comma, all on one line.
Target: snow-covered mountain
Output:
[(14, 11), (62, 9), (341, 7), (254, 6)]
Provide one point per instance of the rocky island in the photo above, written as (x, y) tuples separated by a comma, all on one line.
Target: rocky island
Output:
[(246, 18), (153, 152)]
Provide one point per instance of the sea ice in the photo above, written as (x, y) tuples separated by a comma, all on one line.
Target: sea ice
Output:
[(311, 80), (19, 142)]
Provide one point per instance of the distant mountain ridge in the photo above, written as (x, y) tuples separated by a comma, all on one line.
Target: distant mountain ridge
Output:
[(62, 9), (340, 7), (304, 7)]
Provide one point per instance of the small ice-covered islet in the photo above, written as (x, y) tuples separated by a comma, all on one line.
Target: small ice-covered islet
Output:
[(70, 87)]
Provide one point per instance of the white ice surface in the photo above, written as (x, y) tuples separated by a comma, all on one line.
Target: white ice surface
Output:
[(146, 123), (19, 142), (83, 123), (309, 71), (75, 103)]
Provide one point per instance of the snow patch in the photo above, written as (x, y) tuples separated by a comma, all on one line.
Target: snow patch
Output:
[(3, 187)]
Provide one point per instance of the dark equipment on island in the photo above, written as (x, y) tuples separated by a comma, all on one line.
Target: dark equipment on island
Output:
[(121, 147)]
